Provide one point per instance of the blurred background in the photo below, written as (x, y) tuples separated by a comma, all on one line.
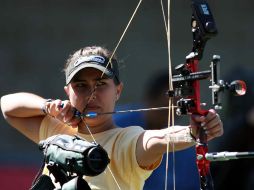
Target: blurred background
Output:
[(36, 37)]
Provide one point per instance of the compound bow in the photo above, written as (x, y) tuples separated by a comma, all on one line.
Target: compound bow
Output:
[(188, 87)]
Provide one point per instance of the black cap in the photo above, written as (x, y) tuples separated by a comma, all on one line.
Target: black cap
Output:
[(92, 61)]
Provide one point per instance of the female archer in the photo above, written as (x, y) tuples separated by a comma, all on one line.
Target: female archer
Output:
[(94, 86)]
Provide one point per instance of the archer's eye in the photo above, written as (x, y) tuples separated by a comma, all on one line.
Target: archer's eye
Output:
[(80, 85), (100, 83)]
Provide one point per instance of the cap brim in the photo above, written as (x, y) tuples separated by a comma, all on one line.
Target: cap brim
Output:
[(88, 65)]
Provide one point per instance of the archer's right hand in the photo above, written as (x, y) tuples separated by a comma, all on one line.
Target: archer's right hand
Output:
[(63, 111)]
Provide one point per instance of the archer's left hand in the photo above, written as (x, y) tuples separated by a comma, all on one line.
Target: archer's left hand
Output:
[(211, 123)]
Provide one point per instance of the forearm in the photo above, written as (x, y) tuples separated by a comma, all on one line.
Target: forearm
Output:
[(22, 105), (154, 143), (157, 140)]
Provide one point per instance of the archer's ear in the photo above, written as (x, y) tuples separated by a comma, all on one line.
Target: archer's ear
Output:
[(119, 89), (66, 89)]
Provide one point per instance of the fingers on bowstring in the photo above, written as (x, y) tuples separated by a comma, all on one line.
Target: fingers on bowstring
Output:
[(66, 113)]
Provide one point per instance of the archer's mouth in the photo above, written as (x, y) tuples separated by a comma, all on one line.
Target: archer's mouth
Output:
[(91, 107)]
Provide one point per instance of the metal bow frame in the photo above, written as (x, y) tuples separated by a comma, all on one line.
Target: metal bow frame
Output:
[(188, 88)]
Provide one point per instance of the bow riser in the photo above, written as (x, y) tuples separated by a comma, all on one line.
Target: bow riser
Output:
[(203, 164), (192, 66), (203, 28)]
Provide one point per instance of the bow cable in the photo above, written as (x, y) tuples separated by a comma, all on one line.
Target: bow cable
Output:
[(170, 104), (121, 38)]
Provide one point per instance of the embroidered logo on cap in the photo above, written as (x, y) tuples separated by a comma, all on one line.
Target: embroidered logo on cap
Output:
[(92, 58)]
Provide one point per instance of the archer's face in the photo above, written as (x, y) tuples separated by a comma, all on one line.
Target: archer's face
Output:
[(82, 86)]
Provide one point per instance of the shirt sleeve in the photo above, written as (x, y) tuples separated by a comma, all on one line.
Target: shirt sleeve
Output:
[(126, 154), (51, 126)]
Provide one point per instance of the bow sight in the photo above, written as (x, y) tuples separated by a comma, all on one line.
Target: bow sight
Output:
[(184, 88)]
